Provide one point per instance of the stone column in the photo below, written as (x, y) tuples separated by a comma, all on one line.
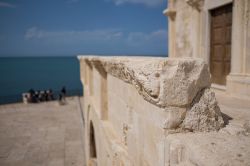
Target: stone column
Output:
[(238, 82), (184, 28), (196, 31), (238, 37), (171, 13)]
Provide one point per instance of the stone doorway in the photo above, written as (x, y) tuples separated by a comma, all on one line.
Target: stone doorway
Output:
[(220, 51)]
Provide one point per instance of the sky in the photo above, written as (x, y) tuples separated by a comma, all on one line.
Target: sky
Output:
[(73, 27)]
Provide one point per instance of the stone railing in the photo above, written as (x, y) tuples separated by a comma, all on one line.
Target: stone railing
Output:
[(132, 106)]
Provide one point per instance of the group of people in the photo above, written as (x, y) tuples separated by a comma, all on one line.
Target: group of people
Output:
[(39, 96), (45, 95)]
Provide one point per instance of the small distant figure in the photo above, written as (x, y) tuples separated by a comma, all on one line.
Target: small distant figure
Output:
[(50, 95), (46, 98), (32, 96), (63, 91), (62, 96), (41, 96), (37, 95), (26, 98)]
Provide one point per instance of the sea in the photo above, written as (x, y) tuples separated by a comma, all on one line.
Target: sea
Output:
[(20, 74)]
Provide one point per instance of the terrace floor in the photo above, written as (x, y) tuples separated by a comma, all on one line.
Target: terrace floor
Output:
[(237, 109), (49, 134), (45, 134)]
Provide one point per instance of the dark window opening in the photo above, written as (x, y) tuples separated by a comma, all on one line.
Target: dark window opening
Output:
[(92, 141)]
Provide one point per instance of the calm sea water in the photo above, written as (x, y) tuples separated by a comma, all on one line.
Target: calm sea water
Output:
[(18, 75)]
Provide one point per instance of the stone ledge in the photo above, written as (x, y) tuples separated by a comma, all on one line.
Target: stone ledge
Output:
[(179, 86), (161, 81)]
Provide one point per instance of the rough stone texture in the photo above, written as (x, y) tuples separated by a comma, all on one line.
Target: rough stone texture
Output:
[(204, 114), (147, 100), (170, 84), (163, 82), (229, 146)]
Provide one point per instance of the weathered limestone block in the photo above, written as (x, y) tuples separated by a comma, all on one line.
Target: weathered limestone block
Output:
[(176, 85), (163, 82), (134, 106), (175, 118), (204, 114)]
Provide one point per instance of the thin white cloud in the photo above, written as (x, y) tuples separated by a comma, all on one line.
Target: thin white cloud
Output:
[(106, 34), (149, 3), (6, 5), (99, 40), (84, 35)]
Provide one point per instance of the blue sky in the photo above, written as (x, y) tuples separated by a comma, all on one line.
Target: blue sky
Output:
[(71, 27)]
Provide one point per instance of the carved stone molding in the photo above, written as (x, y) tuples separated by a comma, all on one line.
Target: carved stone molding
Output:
[(178, 86), (151, 78), (197, 4), (171, 13)]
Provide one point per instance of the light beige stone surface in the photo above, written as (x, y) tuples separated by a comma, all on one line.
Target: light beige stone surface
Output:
[(204, 110), (189, 36), (229, 146), (164, 82), (137, 125), (44, 134)]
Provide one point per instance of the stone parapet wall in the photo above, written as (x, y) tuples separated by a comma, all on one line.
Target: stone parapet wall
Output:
[(132, 105)]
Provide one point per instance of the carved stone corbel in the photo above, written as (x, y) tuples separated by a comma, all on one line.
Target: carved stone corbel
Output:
[(196, 4), (171, 13)]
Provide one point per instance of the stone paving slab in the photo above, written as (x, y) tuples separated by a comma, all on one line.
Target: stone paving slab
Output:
[(44, 134)]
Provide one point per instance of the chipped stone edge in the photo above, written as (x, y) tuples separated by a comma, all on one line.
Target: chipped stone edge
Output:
[(123, 68)]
